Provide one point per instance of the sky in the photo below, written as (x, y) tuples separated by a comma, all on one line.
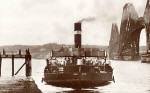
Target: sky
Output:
[(35, 22)]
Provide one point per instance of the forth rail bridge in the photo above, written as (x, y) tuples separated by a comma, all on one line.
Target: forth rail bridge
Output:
[(125, 45)]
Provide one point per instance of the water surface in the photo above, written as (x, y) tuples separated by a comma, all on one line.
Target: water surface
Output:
[(130, 77)]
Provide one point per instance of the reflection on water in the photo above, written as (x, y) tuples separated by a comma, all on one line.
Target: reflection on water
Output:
[(81, 91), (130, 77)]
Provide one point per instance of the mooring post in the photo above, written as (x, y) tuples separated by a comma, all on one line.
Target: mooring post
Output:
[(28, 63), (30, 69), (4, 53), (26, 60), (12, 65), (0, 63), (20, 52)]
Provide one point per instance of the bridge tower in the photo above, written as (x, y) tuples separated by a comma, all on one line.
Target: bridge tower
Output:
[(147, 23)]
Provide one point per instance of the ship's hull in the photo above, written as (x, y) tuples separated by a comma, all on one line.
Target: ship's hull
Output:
[(145, 58), (76, 80), (77, 83)]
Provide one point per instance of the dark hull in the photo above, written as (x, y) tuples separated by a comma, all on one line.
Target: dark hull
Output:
[(77, 83), (145, 61), (127, 58), (80, 81), (145, 58)]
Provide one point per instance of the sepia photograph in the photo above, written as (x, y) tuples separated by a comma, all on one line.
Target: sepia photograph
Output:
[(74, 46)]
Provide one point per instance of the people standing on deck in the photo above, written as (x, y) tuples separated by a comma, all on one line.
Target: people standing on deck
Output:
[(84, 61), (64, 61)]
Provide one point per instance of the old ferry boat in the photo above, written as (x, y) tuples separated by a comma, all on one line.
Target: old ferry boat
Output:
[(77, 67)]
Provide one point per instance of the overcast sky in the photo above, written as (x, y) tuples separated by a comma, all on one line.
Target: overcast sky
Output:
[(51, 21)]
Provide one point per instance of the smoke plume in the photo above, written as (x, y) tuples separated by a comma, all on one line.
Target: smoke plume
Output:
[(88, 19)]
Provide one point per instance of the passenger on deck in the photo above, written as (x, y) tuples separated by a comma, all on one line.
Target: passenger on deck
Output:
[(84, 61)]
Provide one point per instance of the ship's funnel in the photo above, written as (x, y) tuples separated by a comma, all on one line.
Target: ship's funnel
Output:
[(77, 35)]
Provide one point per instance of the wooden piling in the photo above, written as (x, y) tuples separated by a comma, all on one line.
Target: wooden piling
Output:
[(29, 68), (4, 53), (12, 65), (28, 63), (19, 51), (0, 64)]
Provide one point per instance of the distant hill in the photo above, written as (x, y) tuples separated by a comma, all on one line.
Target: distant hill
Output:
[(41, 51)]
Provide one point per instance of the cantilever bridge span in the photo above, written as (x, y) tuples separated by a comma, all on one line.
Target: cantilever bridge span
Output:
[(126, 43), (129, 39)]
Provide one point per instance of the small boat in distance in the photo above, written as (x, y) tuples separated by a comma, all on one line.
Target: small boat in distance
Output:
[(145, 58), (78, 67)]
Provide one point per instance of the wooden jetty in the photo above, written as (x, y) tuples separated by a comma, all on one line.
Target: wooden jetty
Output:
[(16, 84), (27, 62)]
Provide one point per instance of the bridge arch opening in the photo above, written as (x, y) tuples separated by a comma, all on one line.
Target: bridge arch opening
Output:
[(142, 41)]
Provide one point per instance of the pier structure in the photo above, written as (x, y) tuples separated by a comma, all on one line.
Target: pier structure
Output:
[(27, 63)]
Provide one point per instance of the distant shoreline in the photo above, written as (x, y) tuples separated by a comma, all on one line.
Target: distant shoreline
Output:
[(41, 51)]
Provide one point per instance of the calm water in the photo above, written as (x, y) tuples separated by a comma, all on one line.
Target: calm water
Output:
[(130, 77)]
